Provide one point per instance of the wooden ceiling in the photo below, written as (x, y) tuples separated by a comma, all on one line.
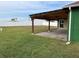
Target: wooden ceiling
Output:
[(51, 15)]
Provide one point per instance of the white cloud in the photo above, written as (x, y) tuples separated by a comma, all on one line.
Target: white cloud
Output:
[(24, 8)]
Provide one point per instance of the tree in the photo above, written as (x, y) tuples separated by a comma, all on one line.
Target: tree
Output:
[(14, 19)]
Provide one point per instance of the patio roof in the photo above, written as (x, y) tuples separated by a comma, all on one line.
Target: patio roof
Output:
[(51, 15)]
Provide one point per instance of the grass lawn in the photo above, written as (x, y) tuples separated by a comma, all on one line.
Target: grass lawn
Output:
[(19, 42)]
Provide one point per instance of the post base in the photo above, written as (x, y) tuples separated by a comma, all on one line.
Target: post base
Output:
[(67, 43), (32, 33), (48, 31)]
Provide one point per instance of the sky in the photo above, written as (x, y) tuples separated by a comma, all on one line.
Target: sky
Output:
[(22, 9)]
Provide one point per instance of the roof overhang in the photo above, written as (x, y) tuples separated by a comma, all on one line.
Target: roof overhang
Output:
[(51, 15)]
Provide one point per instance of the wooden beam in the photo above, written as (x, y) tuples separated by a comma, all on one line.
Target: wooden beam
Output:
[(32, 25)]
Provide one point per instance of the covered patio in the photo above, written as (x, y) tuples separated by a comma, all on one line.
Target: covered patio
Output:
[(60, 34), (61, 16)]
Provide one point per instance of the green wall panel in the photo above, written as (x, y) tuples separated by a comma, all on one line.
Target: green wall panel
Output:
[(75, 24)]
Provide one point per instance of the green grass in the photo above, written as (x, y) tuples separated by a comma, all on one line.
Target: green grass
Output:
[(19, 42)]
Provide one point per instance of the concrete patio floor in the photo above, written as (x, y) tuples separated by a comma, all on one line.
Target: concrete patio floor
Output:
[(60, 34)]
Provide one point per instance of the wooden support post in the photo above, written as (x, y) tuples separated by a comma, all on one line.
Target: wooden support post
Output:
[(49, 26), (32, 26), (58, 25)]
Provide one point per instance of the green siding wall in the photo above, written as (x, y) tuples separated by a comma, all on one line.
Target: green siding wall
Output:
[(75, 24)]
